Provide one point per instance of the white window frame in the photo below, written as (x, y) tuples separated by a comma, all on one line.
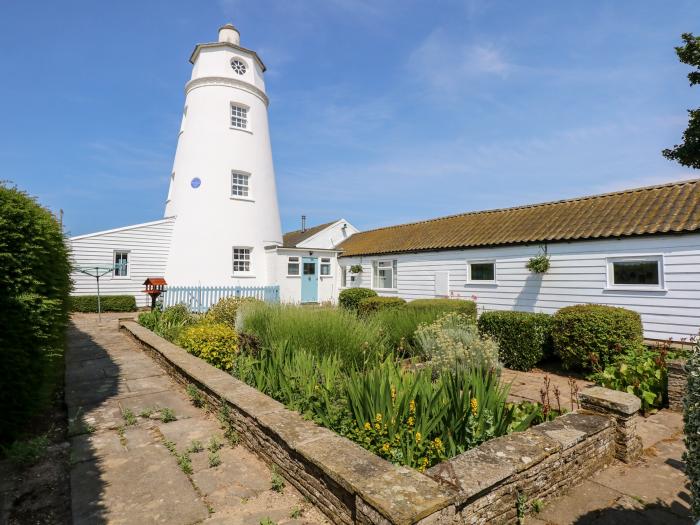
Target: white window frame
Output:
[(321, 264), (297, 262), (242, 273), (394, 274), (610, 273), (470, 280), (343, 276), (234, 117), (128, 264), (237, 173)]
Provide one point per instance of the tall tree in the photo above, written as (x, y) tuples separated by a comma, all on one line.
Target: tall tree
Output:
[(688, 153)]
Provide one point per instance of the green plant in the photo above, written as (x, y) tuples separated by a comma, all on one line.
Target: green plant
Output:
[(321, 331), (230, 433), (214, 444), (537, 505), (267, 521), (370, 305), (593, 335), (523, 337), (277, 481), (398, 326), (539, 263), (521, 507), (350, 297), (214, 459), (195, 446), (356, 268), (215, 343), (34, 287), (226, 309), (170, 445), (128, 416), (639, 371), (147, 412), (185, 463), (691, 420), (195, 395), (28, 452), (108, 303), (446, 305), (167, 415), (454, 339), (296, 513), (170, 322)]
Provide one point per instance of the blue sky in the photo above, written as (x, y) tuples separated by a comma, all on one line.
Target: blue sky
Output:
[(381, 112)]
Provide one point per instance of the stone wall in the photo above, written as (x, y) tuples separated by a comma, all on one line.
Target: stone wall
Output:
[(352, 485), (677, 383)]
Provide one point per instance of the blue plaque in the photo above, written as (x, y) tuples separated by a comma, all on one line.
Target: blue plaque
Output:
[(196, 182)]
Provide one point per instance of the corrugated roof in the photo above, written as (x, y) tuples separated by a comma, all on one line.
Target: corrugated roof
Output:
[(292, 239), (669, 208)]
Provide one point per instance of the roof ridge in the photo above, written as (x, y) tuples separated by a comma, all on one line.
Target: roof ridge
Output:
[(539, 204), (311, 227)]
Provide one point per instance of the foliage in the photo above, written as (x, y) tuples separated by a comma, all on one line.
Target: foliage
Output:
[(34, 288), (454, 339), (523, 338), (350, 297), (195, 395), (398, 326), (276, 481), (688, 153), (108, 303), (446, 305), (356, 268), (169, 323), (587, 336), (167, 415), (320, 331), (538, 264), (27, 452), (226, 309), (691, 419), (216, 343), (370, 305)]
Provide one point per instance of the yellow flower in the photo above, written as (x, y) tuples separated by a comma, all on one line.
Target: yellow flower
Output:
[(423, 464), (410, 421), (412, 406), (378, 418), (393, 393), (368, 426), (437, 442), (418, 437), (475, 406), (377, 426), (385, 447)]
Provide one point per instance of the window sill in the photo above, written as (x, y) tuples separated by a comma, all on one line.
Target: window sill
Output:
[(481, 283), (634, 289), (245, 199), (121, 278), (243, 276), (386, 290), (325, 276), (241, 129), (294, 276)]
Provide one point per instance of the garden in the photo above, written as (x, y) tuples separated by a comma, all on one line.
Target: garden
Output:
[(414, 382)]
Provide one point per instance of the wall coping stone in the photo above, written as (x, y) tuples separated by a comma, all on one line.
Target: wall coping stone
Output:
[(613, 400), (399, 494), (676, 364), (572, 428)]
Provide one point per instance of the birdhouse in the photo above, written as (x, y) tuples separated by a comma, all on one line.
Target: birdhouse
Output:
[(154, 287)]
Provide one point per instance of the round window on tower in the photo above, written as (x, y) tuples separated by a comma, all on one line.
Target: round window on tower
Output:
[(238, 66)]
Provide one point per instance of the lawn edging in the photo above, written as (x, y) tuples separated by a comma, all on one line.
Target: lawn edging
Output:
[(497, 480)]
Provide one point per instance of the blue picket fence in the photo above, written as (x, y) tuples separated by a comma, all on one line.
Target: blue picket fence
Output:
[(201, 298)]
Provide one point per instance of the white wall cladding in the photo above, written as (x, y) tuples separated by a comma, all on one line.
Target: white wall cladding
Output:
[(148, 246), (577, 275)]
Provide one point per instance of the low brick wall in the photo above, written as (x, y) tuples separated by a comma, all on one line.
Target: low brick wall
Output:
[(352, 485), (677, 383)]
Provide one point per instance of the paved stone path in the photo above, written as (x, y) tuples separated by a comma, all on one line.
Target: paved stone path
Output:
[(125, 468), (527, 386)]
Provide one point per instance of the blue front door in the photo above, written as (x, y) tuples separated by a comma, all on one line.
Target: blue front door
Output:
[(309, 280)]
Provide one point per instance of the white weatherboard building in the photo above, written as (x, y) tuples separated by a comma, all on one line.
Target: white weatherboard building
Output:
[(639, 249)]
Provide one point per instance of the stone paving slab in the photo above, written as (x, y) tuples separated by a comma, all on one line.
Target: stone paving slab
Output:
[(124, 474)]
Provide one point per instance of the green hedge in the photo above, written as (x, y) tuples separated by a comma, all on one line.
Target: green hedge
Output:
[(691, 418), (370, 305), (34, 288), (524, 338), (590, 336), (447, 305), (108, 303), (350, 297)]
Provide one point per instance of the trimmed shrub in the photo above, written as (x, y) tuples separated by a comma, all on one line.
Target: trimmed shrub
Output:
[(591, 336), (226, 309), (108, 303), (34, 288), (350, 297), (216, 343), (371, 305), (524, 338), (691, 418), (446, 305)]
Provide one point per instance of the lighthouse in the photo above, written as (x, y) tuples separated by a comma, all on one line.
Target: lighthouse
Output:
[(222, 191)]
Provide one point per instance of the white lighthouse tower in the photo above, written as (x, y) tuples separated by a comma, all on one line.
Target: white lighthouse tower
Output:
[(222, 188)]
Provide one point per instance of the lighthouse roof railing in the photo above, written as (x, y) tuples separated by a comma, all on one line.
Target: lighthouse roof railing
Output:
[(209, 45)]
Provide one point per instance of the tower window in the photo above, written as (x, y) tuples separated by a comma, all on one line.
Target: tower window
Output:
[(238, 66), (241, 260), (239, 117), (240, 184)]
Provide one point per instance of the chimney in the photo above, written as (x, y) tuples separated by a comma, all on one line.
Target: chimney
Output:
[(303, 223), (230, 34)]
